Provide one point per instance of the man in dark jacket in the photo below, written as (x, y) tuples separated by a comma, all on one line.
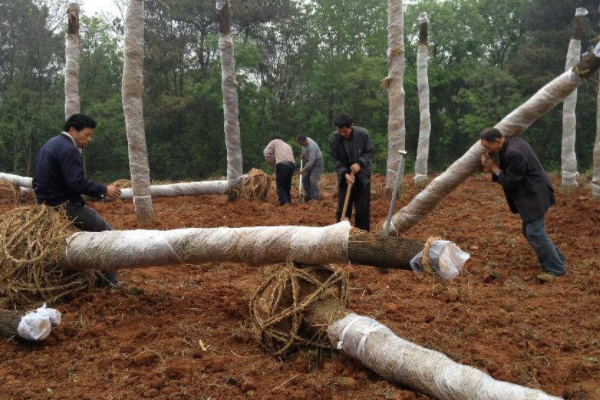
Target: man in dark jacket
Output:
[(529, 193), (351, 150), (58, 178)]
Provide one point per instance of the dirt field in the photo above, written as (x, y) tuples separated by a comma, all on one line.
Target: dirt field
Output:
[(182, 332)]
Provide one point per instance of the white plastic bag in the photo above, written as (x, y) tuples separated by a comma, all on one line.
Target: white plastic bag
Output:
[(447, 259)]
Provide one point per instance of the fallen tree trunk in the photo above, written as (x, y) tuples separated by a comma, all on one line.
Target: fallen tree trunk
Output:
[(183, 189), (296, 307), (339, 244), (514, 124), (17, 180), (568, 157)]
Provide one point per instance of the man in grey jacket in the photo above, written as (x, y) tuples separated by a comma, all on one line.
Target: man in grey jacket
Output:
[(351, 151), (311, 173)]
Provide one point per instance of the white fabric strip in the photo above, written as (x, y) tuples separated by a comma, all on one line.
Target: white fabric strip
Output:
[(72, 59), (114, 250), (568, 157), (427, 371), (396, 94), (425, 124)]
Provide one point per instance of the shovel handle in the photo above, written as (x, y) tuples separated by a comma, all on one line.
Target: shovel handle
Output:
[(347, 200)]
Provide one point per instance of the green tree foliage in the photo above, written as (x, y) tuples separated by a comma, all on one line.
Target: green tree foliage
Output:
[(299, 63)]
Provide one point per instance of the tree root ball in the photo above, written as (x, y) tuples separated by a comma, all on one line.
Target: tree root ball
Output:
[(277, 309), (9, 193), (256, 185)]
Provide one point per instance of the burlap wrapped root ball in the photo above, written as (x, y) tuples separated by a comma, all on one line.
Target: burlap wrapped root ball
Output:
[(32, 247), (277, 308), (256, 185), (9, 193)]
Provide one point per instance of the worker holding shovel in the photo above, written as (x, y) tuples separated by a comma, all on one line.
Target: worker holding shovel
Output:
[(351, 151)]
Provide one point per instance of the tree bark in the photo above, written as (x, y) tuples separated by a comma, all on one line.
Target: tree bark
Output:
[(596, 170), (73, 56), (395, 84), (514, 124), (133, 88), (9, 322), (229, 87), (423, 89)]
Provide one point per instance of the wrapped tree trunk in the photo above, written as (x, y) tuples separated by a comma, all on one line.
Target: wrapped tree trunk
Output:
[(72, 56), (423, 88), (515, 123), (596, 171), (338, 243), (183, 189), (133, 106), (568, 157), (296, 307), (230, 101), (17, 180), (394, 82)]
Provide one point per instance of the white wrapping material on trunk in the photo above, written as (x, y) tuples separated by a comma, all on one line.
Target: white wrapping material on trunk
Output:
[(114, 250), (425, 124), (72, 58), (596, 157), (233, 141), (183, 189), (395, 79), (17, 180), (37, 325), (133, 88), (427, 371), (513, 124), (568, 157), (581, 12)]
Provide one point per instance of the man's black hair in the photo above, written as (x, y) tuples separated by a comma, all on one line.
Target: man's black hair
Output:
[(300, 138), (490, 135), (79, 122), (343, 121)]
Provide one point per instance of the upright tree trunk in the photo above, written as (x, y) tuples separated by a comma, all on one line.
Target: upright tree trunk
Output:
[(72, 56), (514, 124), (423, 88), (395, 84), (133, 88), (568, 157), (596, 173), (230, 100)]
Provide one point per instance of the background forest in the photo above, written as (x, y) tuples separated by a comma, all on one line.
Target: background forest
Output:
[(299, 62)]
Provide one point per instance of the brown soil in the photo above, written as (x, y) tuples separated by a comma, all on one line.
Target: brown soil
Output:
[(182, 332)]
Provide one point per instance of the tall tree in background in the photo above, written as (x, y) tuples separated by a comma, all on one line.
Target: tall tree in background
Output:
[(133, 106), (596, 168), (568, 157), (72, 58), (231, 110), (395, 85), (423, 89)]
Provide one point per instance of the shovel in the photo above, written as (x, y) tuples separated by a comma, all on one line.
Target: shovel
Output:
[(347, 200), (388, 221), (301, 201)]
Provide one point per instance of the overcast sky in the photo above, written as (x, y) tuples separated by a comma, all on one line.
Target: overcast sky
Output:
[(91, 7)]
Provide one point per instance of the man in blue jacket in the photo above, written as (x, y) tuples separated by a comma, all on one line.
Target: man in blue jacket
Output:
[(528, 191), (58, 178)]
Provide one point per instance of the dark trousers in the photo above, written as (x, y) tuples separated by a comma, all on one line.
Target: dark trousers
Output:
[(360, 197), (551, 258), (283, 179), (88, 220)]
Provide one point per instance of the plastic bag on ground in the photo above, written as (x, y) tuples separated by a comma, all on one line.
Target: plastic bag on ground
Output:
[(447, 259)]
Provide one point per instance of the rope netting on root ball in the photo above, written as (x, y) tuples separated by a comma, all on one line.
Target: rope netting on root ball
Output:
[(277, 308), (9, 193), (256, 185), (32, 244)]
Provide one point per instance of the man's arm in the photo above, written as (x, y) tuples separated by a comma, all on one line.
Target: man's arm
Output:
[(311, 154), (269, 153), (514, 173), (71, 167), (338, 165)]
